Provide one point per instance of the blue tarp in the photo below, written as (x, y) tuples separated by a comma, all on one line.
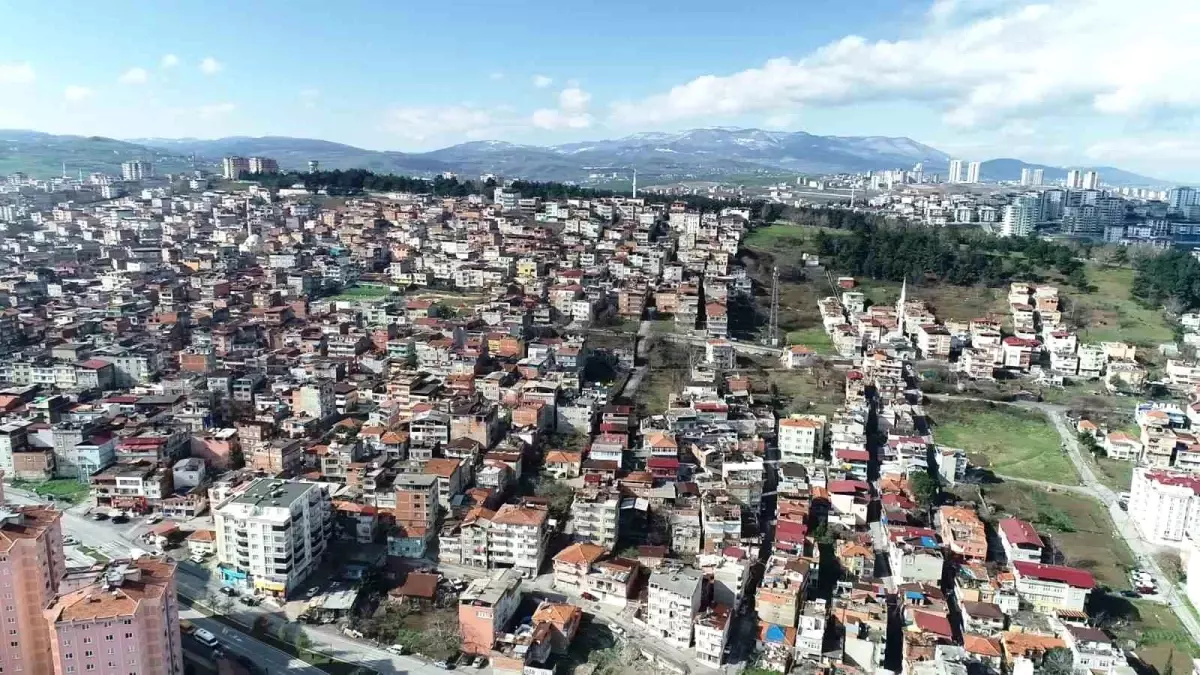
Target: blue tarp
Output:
[(775, 633), (928, 542)]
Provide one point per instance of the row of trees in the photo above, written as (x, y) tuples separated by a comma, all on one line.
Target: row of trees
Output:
[(357, 181), (1171, 278), (895, 253)]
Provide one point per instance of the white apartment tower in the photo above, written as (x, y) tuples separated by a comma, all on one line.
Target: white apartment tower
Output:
[(1091, 180), (973, 172), (1164, 505), (955, 174), (1074, 179), (233, 167), (272, 535), (136, 170), (1020, 216), (672, 603)]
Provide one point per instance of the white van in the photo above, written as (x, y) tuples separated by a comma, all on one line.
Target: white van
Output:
[(205, 638)]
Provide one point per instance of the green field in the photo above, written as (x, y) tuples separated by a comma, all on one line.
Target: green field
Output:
[(362, 293), (63, 489), (813, 391), (814, 338), (1077, 526), (1114, 473), (1162, 642), (1006, 439), (1109, 314)]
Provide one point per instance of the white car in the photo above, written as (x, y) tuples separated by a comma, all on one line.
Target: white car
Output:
[(205, 638), (397, 649), (70, 541)]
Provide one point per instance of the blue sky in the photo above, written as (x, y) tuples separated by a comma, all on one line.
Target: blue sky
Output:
[(1058, 81)]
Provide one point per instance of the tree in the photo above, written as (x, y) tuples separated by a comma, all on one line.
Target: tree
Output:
[(925, 488), (1058, 661)]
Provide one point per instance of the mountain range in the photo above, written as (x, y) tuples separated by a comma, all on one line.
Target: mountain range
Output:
[(698, 154)]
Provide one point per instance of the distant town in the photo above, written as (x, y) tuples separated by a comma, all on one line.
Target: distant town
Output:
[(248, 428)]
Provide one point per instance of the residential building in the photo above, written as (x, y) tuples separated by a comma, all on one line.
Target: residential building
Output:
[(673, 603), (1050, 588), (485, 609), (962, 532), (596, 516), (31, 567), (1164, 505), (1020, 540), (801, 438), (127, 621), (273, 534)]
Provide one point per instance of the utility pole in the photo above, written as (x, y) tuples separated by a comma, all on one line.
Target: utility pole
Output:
[(772, 337)]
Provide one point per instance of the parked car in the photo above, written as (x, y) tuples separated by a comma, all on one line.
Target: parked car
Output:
[(589, 597), (230, 591), (444, 665), (70, 541), (397, 649), (99, 515), (250, 600), (480, 661), (187, 627), (351, 633), (156, 518)]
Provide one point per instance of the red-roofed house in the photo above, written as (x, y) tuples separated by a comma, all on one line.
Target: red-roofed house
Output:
[(1050, 588), (1021, 541)]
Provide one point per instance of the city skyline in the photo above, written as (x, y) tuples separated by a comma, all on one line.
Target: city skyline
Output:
[(973, 77)]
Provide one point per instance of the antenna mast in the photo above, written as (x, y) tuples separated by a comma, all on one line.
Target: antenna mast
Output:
[(772, 337)]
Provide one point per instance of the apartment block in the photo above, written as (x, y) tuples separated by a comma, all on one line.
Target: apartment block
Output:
[(596, 516), (31, 565), (673, 603), (272, 535), (127, 621), (801, 438), (486, 608)]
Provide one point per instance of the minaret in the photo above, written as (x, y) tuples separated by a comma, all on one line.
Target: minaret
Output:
[(634, 184), (900, 304)]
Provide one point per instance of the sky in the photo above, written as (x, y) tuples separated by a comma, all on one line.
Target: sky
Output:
[(1064, 82)]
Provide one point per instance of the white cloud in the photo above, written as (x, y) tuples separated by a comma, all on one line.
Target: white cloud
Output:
[(16, 73), (783, 121), (134, 76), (571, 113), (215, 110), (210, 65), (977, 62), (75, 93), (169, 61), (420, 123), (541, 81)]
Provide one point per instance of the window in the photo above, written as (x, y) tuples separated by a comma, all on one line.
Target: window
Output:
[(128, 636), (87, 640), (109, 637)]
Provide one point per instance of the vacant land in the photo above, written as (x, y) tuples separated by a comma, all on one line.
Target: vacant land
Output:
[(814, 338), (1162, 642), (1079, 528), (63, 489), (1114, 473), (815, 391), (1111, 314), (1006, 439)]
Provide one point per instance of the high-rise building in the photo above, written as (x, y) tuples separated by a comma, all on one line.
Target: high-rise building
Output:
[(31, 566), (1031, 176), (127, 621), (263, 165), (1180, 198), (232, 168), (272, 535), (136, 170), (1020, 216), (973, 172), (955, 175), (313, 165), (1091, 180), (1074, 179)]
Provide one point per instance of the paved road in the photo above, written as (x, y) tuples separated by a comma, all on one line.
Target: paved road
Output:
[(236, 642)]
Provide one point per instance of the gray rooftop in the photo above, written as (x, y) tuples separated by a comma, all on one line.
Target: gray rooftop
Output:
[(268, 491), (679, 581)]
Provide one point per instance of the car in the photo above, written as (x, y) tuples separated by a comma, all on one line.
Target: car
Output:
[(444, 665), (351, 633), (197, 559), (230, 591), (187, 627), (618, 631), (589, 597), (70, 541), (398, 649), (205, 638), (250, 600), (1131, 594), (99, 515), (480, 661), (156, 518), (120, 518)]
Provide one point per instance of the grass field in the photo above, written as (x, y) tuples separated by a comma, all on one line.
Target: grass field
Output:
[(1114, 473), (1110, 314), (363, 293), (814, 338), (65, 489), (1008, 440), (1079, 528)]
